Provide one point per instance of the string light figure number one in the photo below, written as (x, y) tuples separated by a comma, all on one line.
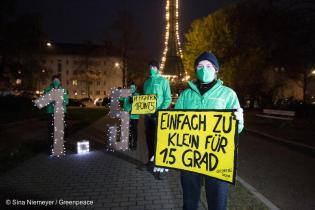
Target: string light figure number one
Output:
[(55, 96), (123, 116)]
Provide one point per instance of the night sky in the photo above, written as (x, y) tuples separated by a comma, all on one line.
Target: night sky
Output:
[(76, 21)]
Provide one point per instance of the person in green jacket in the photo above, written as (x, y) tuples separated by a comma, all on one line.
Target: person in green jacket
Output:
[(133, 124), (159, 86), (208, 92), (55, 84)]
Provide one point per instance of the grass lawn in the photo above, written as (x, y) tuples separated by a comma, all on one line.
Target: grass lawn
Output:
[(239, 199), (20, 151), (85, 115)]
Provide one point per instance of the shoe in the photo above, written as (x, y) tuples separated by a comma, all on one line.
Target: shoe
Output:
[(159, 176)]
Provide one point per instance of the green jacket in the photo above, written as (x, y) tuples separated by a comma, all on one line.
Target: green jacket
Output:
[(50, 107), (127, 106), (218, 97), (159, 86)]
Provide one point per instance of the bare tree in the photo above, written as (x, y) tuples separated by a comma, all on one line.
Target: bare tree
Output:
[(85, 71)]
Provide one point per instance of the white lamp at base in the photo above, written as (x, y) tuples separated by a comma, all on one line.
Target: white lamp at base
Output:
[(83, 146)]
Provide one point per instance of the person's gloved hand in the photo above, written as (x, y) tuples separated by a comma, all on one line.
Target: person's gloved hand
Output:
[(239, 113), (239, 117), (158, 169)]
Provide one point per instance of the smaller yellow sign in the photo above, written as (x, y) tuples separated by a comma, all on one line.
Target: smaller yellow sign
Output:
[(143, 104)]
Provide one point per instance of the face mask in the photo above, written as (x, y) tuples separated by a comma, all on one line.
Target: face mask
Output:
[(56, 83), (206, 75), (153, 72), (133, 88)]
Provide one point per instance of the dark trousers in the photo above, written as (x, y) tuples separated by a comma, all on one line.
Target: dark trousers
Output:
[(133, 134), (150, 133), (50, 144), (216, 191)]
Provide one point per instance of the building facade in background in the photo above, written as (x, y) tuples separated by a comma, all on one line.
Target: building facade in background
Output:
[(87, 71)]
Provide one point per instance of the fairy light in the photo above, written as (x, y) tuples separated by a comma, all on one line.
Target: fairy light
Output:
[(167, 31), (123, 117), (56, 96), (83, 146)]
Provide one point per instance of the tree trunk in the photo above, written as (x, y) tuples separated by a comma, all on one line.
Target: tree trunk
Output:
[(88, 88), (305, 80), (124, 79)]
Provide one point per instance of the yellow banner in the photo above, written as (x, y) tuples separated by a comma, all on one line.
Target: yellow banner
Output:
[(203, 142), (143, 104)]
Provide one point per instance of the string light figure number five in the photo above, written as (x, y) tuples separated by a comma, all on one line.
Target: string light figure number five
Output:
[(55, 96), (114, 112)]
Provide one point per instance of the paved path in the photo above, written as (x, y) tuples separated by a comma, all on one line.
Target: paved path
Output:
[(108, 180)]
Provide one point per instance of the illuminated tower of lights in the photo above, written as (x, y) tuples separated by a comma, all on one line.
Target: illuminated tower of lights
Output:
[(171, 62)]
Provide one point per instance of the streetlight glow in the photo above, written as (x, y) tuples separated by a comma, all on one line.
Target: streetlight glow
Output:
[(48, 44)]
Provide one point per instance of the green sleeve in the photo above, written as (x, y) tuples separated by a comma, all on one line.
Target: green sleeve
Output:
[(46, 90), (127, 105), (167, 95), (180, 102)]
